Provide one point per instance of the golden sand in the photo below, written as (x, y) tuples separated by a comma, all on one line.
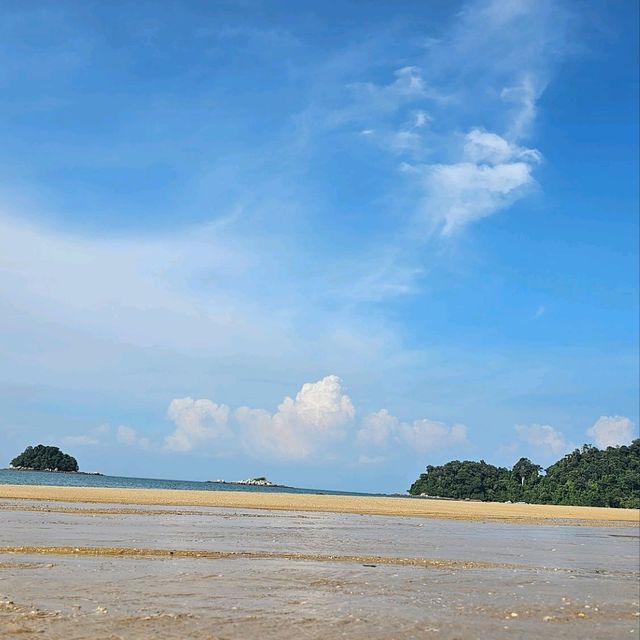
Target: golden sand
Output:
[(383, 506)]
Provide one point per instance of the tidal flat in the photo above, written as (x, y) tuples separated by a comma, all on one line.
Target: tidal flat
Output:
[(120, 569)]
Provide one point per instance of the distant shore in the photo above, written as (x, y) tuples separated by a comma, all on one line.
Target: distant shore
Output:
[(383, 506), (75, 473)]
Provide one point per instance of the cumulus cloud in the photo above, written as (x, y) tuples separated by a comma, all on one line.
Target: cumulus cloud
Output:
[(302, 425), (197, 422), (612, 431), (377, 428), (544, 438), (381, 429), (426, 435)]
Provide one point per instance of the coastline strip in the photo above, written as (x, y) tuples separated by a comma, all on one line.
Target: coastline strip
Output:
[(375, 505), (258, 555)]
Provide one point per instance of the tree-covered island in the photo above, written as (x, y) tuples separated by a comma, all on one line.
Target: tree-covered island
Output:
[(585, 477), (44, 458)]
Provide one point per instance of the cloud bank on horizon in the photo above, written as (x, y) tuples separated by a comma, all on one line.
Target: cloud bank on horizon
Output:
[(223, 206), (319, 418)]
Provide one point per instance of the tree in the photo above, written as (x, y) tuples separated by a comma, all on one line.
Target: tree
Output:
[(468, 479), (525, 470), (587, 476), (45, 458)]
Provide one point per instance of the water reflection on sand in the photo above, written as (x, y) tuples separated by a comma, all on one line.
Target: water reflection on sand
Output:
[(516, 580)]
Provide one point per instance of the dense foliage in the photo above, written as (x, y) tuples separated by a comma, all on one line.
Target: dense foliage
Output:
[(42, 458), (587, 476)]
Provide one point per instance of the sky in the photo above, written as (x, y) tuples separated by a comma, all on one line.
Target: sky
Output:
[(329, 243)]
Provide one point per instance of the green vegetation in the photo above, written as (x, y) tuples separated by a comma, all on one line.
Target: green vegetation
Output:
[(587, 477), (41, 458)]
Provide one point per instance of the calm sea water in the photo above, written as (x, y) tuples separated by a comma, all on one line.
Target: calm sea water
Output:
[(8, 476)]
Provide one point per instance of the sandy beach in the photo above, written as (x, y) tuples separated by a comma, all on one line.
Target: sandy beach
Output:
[(144, 564), (383, 506)]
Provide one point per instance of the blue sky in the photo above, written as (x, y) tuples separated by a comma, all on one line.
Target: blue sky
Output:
[(330, 243)]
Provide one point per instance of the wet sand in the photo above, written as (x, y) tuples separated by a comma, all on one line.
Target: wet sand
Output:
[(415, 507), (149, 570)]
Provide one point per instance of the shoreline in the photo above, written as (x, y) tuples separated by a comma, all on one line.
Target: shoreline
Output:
[(379, 506)]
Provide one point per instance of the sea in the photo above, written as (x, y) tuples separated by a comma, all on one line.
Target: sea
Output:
[(61, 479)]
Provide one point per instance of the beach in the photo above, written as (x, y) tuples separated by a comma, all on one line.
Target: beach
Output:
[(78, 562), (374, 505)]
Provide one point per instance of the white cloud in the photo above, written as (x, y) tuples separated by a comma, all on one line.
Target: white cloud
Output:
[(427, 435), (308, 426), (81, 440), (408, 86), (540, 311), (491, 175), (420, 119), (126, 435), (523, 98), (470, 79), (408, 139), (377, 429), (300, 427), (197, 422), (96, 436), (544, 438), (484, 147), (104, 435), (130, 437), (398, 142), (612, 431), (195, 309), (184, 308), (381, 429), (458, 194)]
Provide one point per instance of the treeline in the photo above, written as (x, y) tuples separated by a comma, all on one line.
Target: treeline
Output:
[(586, 477), (43, 458)]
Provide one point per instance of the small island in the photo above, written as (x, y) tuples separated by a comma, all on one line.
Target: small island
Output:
[(261, 481), (44, 458)]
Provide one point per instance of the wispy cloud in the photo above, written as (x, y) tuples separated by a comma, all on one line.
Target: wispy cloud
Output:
[(408, 86), (347, 186), (540, 311), (104, 435), (491, 175), (81, 440), (454, 121)]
